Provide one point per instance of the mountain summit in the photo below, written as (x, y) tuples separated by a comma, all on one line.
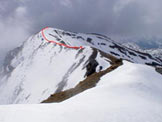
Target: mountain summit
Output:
[(40, 68), (95, 78)]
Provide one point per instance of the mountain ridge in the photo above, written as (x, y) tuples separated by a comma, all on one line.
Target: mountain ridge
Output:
[(56, 68)]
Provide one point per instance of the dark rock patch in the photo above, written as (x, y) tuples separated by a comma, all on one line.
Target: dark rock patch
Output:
[(91, 67), (142, 57), (152, 64), (159, 70), (79, 37), (132, 53), (89, 40), (102, 43), (56, 37), (114, 53), (91, 64)]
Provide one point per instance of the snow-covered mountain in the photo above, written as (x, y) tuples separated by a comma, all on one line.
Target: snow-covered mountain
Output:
[(156, 52), (37, 69), (132, 45), (131, 93), (145, 42)]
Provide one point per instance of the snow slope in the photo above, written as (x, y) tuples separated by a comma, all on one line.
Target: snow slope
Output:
[(131, 93), (37, 69), (102, 43)]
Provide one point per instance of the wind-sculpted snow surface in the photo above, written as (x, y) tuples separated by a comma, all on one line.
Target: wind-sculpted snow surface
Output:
[(131, 93)]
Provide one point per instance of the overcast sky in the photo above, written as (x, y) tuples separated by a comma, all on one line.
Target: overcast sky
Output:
[(115, 18)]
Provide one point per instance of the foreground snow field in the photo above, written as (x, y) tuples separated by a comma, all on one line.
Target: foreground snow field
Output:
[(131, 93)]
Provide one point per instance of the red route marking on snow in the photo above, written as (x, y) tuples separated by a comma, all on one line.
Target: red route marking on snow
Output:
[(52, 41)]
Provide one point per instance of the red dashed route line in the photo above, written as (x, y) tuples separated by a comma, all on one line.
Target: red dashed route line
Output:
[(52, 41)]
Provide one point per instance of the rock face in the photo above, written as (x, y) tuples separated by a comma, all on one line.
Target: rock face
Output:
[(37, 69)]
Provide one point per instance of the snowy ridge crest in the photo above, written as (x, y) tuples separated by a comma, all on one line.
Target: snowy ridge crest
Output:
[(37, 69), (104, 44)]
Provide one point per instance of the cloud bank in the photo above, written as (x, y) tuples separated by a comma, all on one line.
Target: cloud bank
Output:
[(116, 18)]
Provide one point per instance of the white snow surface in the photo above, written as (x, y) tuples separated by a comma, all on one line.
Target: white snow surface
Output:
[(131, 93), (41, 68), (155, 52), (100, 42), (38, 68)]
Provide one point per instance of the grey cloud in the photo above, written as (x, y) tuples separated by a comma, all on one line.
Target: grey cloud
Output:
[(121, 18), (14, 26), (133, 18)]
